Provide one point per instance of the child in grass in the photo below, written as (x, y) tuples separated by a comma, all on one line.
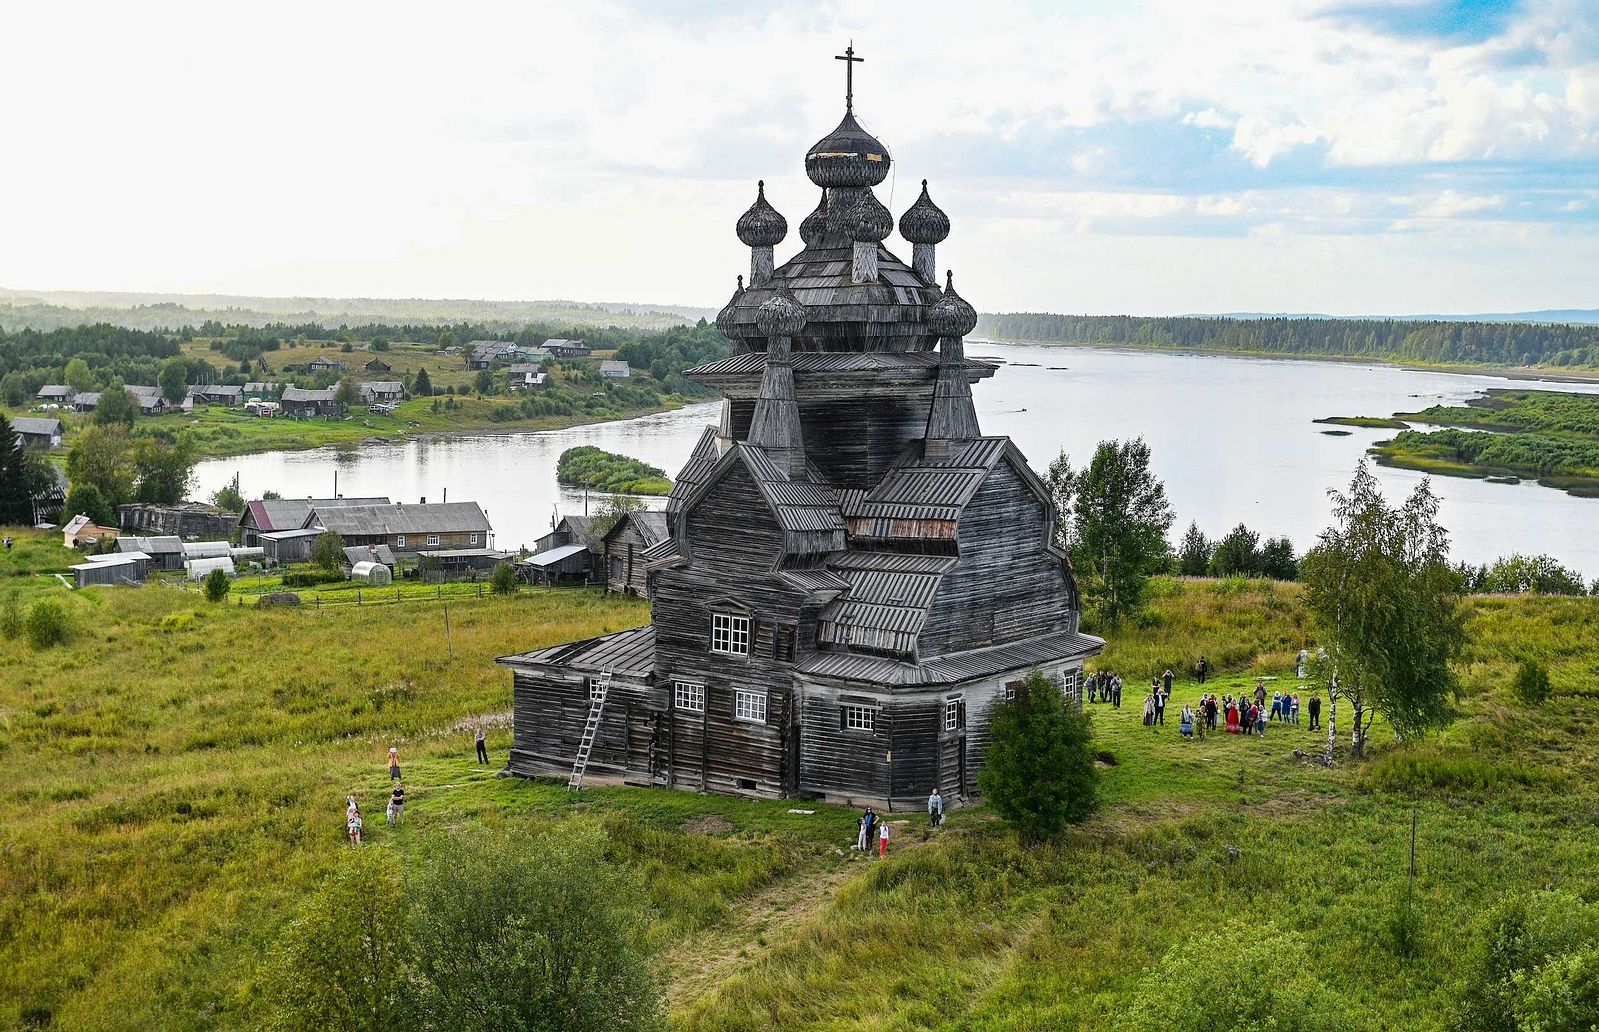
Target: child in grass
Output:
[(353, 824), (882, 838), (1293, 710)]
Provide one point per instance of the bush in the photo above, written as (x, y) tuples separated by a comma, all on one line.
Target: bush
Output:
[(1532, 683), (1040, 772), (11, 618), (1533, 963), (504, 579), (217, 585), (1183, 994), (47, 624), (328, 550)]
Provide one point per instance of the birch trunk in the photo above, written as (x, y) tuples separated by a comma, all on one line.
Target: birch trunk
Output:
[(1332, 727)]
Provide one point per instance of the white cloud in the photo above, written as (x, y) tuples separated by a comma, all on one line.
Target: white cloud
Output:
[(1450, 203)]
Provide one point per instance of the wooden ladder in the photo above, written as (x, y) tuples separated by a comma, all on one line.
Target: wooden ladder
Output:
[(597, 694)]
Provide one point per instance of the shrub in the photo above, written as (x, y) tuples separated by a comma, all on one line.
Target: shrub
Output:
[(1533, 963), (217, 585), (1182, 994), (328, 550), (311, 578), (504, 579), (1040, 772), (47, 624), (11, 618), (1532, 683), (174, 622)]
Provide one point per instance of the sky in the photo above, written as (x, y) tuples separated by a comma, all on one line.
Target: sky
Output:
[(1159, 157)]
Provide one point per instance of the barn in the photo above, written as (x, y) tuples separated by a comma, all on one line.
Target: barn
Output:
[(854, 575), (624, 545)]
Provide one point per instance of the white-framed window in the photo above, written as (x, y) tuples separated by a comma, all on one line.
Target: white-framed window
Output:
[(730, 634), (954, 713), (689, 696), (1010, 690), (472, 540), (399, 541), (594, 688), (748, 705), (433, 539), (857, 718)]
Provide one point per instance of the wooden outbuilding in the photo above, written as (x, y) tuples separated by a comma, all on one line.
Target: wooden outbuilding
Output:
[(38, 433), (282, 547), (855, 577), (112, 568), (624, 545), (165, 551)]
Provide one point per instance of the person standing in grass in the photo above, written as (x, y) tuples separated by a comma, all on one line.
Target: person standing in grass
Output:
[(860, 834), (1293, 710), (935, 807), (396, 811), (1315, 713), (1161, 695), (1185, 722), (1276, 705), (1116, 690), (482, 746), (352, 823), (870, 828), (1149, 711), (1166, 681), (394, 763), (1232, 716), (1260, 720), (882, 839), (1204, 669)]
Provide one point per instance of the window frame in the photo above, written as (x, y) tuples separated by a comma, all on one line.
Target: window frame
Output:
[(433, 540), (954, 714), (854, 717), (740, 696), (594, 688), (399, 541), (734, 636), (472, 539), (690, 701)]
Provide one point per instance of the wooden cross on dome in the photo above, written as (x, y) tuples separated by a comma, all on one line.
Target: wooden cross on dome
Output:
[(850, 61)]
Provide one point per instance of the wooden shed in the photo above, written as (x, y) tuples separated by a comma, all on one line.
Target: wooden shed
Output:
[(626, 570), (113, 568), (282, 547)]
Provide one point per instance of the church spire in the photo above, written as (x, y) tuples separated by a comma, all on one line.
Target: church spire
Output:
[(775, 427)]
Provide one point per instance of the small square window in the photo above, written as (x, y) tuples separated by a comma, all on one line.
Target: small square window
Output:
[(399, 541), (1010, 691), (472, 540), (857, 718), (730, 634), (433, 539), (594, 688), (689, 696), (748, 705)]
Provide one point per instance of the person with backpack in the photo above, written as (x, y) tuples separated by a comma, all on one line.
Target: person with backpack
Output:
[(935, 807)]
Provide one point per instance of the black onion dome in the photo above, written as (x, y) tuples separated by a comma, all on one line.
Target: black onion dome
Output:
[(815, 225), (848, 156), (952, 315), (726, 318), (923, 222), (780, 315), (762, 226), (868, 221)]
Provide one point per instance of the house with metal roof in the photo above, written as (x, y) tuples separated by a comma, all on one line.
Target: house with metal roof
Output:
[(56, 392), (38, 433), (407, 529), (853, 577), (217, 394), (614, 370), (562, 347), (269, 515), (382, 392), (303, 402), (165, 551)]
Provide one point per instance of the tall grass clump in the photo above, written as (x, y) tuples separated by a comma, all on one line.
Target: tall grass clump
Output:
[(47, 624)]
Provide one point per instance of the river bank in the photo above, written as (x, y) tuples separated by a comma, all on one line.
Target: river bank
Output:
[(1545, 373)]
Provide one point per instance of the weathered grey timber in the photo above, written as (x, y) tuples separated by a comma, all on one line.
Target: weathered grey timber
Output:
[(851, 576)]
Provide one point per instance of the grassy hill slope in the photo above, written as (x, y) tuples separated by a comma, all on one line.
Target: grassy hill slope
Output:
[(172, 784)]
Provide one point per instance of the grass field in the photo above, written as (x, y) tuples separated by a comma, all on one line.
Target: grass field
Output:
[(172, 781)]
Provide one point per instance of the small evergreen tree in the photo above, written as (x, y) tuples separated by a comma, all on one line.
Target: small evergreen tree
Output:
[(47, 624), (173, 380), (217, 585), (1236, 554), (422, 386), (503, 580), (1193, 554), (1120, 516), (86, 500), (1532, 683), (16, 502), (1039, 773), (1277, 559)]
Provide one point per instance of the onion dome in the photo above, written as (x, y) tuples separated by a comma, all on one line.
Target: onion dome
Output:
[(952, 315), (868, 221), (923, 222), (780, 315), (847, 156), (815, 225), (725, 318), (762, 226)]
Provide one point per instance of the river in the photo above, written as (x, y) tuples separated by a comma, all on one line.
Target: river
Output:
[(1232, 438)]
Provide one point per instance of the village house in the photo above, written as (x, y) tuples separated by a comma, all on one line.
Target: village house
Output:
[(269, 515), (482, 354), (262, 389), (187, 520), (323, 364), (226, 394), (81, 532), (165, 552), (377, 365), (304, 402), (38, 433), (88, 401), (567, 553), (382, 392), (624, 545), (560, 347), (524, 374), (855, 575), (446, 564), (59, 393), (148, 400), (614, 370), (407, 529)]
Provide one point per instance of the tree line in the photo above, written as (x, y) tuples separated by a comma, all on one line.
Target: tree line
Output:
[(1490, 343)]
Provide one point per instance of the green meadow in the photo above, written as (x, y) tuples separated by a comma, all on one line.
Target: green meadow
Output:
[(172, 784)]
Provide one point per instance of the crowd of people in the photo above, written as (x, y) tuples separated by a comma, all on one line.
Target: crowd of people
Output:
[(394, 812), (1245, 714)]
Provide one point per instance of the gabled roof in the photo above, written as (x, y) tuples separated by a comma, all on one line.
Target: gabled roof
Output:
[(650, 524), (383, 386), (553, 555), (798, 504), (437, 517), (922, 497), (90, 398), (887, 598), (162, 545), (581, 528), (290, 513), (563, 342), (611, 365), (369, 554), (55, 390), (31, 425), (223, 390), (309, 395)]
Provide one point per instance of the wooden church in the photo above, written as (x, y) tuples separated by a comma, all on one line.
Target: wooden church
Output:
[(854, 575)]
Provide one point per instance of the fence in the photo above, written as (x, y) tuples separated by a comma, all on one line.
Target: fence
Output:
[(376, 596)]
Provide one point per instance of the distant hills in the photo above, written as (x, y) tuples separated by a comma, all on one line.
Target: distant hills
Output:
[(53, 309)]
